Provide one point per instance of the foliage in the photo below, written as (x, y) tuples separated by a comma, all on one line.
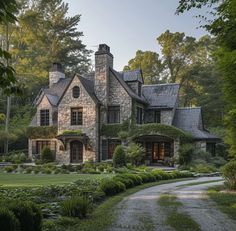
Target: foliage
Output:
[(8, 221), (119, 158), (47, 155), (160, 129), (204, 168), (229, 173), (76, 207), (42, 131), (112, 130), (150, 64), (72, 132), (223, 28), (16, 157), (28, 214), (135, 153), (185, 154), (111, 187), (123, 135)]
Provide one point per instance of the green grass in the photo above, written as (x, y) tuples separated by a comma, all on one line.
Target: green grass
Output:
[(178, 221), (32, 180), (104, 215), (226, 201)]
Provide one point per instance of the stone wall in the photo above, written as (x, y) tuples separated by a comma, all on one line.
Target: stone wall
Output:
[(119, 96), (89, 117), (166, 117), (55, 76)]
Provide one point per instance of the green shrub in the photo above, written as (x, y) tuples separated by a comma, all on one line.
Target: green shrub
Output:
[(161, 175), (201, 154), (126, 181), (28, 170), (46, 171), (229, 173), (204, 168), (119, 158), (76, 207), (9, 169), (47, 155), (111, 187), (57, 171), (147, 177), (8, 221), (218, 161), (134, 177), (185, 154), (135, 153), (28, 214)]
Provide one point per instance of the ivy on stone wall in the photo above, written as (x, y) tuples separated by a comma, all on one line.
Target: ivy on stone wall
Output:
[(112, 130), (47, 132), (72, 132), (159, 129)]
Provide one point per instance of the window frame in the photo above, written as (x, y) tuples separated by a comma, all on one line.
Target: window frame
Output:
[(76, 92), (139, 115), (76, 116), (113, 114), (44, 117)]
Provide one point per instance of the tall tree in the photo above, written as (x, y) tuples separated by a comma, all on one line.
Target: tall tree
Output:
[(150, 64), (223, 27)]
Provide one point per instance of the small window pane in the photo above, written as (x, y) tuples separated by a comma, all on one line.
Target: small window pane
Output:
[(76, 116), (113, 114), (76, 92), (139, 115), (44, 117)]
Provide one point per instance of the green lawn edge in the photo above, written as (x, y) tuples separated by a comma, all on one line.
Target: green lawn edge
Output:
[(103, 216)]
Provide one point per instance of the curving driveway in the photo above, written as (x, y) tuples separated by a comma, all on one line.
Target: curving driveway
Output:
[(140, 211)]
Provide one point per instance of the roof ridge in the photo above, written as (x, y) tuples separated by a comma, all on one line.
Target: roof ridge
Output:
[(159, 84)]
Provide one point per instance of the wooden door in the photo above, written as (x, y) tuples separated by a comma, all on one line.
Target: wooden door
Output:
[(76, 152)]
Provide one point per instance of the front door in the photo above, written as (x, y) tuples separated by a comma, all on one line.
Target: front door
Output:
[(160, 150), (76, 152)]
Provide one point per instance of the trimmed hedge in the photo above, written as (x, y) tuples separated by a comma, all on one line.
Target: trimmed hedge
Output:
[(111, 186)]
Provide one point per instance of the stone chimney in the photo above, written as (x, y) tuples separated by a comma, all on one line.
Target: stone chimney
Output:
[(103, 61), (56, 73)]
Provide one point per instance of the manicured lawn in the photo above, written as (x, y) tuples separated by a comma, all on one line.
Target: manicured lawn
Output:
[(32, 180)]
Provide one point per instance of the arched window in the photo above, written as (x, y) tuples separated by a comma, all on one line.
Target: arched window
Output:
[(76, 92)]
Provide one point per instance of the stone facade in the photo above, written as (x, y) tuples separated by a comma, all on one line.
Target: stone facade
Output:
[(97, 92)]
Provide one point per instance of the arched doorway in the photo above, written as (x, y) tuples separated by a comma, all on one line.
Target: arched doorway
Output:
[(76, 151)]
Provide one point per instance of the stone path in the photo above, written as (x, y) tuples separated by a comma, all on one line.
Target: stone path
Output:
[(140, 211)]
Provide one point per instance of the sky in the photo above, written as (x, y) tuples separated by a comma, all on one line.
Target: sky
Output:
[(130, 25)]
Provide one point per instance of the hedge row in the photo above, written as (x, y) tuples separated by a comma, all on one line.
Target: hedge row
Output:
[(121, 182)]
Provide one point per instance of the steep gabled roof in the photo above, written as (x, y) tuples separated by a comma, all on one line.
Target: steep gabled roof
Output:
[(132, 75), (190, 120), (161, 95), (132, 94)]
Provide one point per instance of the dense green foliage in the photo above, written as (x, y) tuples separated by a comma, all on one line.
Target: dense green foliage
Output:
[(119, 158), (229, 173), (223, 28), (8, 221), (76, 207), (185, 154), (42, 131), (135, 154), (113, 130), (47, 155)]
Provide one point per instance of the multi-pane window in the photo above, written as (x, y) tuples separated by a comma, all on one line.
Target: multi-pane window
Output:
[(157, 117), (77, 116), (44, 117), (113, 114), (139, 115), (40, 145)]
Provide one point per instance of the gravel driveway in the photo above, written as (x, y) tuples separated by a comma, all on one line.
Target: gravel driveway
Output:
[(140, 211)]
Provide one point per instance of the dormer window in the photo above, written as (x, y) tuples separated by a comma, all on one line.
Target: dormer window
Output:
[(76, 92), (44, 117)]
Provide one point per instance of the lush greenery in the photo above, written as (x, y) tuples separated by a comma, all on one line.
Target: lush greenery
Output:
[(135, 154), (229, 174), (112, 130), (47, 155), (119, 158), (223, 28), (225, 200), (42, 131)]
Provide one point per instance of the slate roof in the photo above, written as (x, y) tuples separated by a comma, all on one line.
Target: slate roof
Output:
[(133, 75), (131, 93), (190, 120), (161, 95)]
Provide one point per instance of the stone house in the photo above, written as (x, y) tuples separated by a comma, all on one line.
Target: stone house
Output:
[(79, 118)]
